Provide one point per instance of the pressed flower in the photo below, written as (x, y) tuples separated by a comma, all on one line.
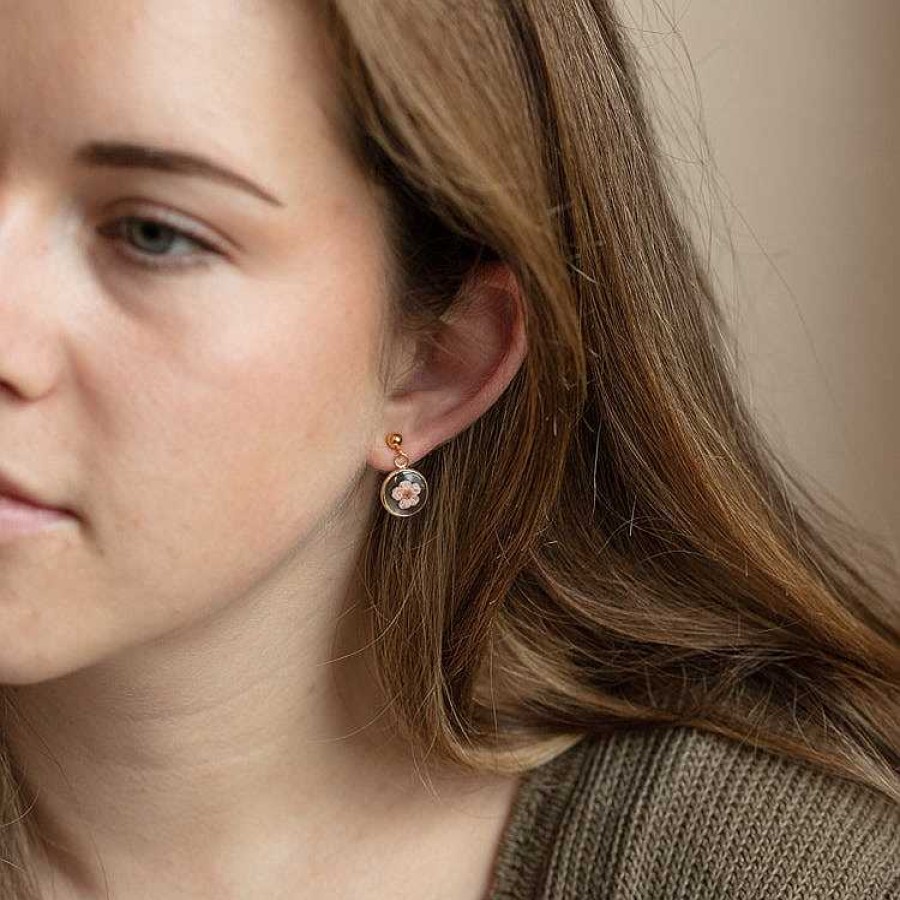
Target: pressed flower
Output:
[(406, 493)]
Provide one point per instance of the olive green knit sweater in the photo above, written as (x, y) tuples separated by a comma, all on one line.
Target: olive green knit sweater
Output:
[(680, 813)]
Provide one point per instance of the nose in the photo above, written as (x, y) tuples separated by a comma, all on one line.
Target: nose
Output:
[(29, 295)]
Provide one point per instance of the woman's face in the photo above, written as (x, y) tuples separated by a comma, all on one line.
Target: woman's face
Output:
[(187, 362)]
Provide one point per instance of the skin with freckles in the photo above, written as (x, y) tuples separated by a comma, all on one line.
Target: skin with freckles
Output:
[(189, 364)]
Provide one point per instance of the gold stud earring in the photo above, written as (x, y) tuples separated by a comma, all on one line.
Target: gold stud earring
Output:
[(405, 491)]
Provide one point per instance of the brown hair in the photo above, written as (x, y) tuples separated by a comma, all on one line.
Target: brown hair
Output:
[(613, 544)]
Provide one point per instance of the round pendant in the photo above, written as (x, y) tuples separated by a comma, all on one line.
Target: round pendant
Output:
[(404, 492)]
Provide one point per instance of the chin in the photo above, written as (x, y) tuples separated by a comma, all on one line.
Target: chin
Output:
[(23, 663)]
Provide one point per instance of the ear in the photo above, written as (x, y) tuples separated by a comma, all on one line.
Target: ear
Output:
[(463, 370)]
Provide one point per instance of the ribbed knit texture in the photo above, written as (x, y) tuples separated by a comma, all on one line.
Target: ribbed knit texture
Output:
[(676, 813)]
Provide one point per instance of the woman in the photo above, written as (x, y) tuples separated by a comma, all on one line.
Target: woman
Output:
[(380, 516)]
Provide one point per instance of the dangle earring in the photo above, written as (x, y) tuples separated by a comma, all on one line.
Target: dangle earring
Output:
[(404, 492)]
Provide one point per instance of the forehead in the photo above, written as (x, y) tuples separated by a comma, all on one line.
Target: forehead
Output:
[(248, 78)]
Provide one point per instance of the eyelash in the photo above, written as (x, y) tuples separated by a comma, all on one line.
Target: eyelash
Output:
[(117, 229)]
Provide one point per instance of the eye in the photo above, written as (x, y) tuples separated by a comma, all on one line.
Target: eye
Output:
[(152, 242)]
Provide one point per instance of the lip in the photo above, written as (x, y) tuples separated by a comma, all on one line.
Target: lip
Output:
[(14, 491), (21, 512)]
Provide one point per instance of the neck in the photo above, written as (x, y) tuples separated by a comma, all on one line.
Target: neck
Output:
[(227, 753)]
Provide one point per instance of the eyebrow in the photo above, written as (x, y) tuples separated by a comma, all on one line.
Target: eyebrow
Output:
[(119, 154)]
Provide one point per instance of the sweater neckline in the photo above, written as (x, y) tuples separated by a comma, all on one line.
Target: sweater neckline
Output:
[(535, 816)]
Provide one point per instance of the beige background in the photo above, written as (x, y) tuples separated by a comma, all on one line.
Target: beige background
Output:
[(797, 194)]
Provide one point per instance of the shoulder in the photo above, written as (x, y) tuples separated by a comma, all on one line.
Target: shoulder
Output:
[(679, 812)]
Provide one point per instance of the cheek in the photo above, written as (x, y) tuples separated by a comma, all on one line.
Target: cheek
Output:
[(239, 454), (206, 472)]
